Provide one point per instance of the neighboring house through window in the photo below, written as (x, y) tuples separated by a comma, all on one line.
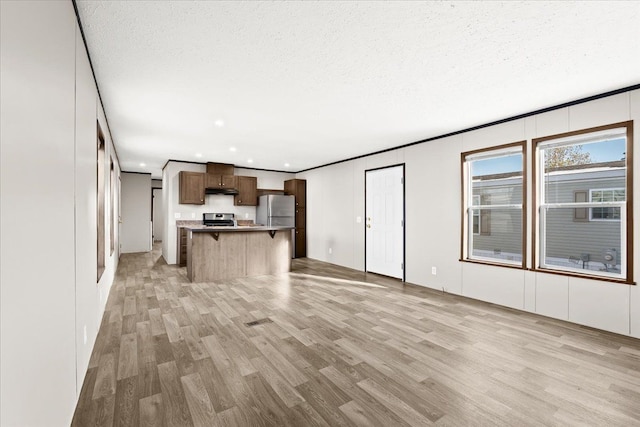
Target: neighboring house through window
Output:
[(476, 215), (606, 195)]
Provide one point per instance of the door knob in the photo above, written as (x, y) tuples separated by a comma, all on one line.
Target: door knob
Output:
[(368, 218), (368, 225)]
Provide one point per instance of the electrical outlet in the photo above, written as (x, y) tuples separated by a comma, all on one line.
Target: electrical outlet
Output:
[(330, 251), (177, 215), (85, 334), (193, 215), (433, 271)]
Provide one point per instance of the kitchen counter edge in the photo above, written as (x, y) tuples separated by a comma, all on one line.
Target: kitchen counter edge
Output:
[(203, 229)]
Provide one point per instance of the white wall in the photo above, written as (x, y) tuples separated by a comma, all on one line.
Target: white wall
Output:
[(158, 215), (335, 197), (47, 215), (136, 212), (91, 297), (213, 202)]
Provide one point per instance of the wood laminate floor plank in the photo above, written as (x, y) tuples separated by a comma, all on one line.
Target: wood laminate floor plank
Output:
[(200, 406), (341, 348), (175, 405)]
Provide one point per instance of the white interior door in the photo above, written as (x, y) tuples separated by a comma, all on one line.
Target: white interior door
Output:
[(157, 215), (385, 221)]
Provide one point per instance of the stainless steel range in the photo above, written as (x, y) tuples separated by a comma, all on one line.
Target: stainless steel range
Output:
[(218, 220)]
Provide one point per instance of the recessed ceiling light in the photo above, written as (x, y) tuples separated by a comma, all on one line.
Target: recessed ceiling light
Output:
[(286, 165), (198, 155), (250, 161), (143, 165), (232, 148), (219, 123)]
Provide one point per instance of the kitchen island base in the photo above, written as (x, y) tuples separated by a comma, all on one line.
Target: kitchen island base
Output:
[(219, 255)]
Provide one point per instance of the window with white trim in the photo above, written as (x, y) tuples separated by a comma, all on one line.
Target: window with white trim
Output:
[(568, 167), (606, 195), (493, 214)]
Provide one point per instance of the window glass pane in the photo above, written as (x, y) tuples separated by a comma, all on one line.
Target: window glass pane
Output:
[(592, 245), (583, 167), (499, 236), (476, 222), (608, 213), (497, 181)]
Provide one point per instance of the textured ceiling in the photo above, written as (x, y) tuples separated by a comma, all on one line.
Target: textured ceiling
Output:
[(308, 83)]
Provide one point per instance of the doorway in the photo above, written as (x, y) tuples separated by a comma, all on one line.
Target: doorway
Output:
[(384, 225), (156, 214)]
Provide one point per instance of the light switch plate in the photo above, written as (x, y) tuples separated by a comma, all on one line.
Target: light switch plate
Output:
[(358, 219)]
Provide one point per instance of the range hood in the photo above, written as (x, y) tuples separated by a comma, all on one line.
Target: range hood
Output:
[(218, 190)]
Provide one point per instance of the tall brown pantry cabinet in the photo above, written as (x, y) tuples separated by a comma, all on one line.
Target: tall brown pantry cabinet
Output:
[(298, 189)]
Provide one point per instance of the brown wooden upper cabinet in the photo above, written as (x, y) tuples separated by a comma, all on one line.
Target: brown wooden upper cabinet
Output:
[(191, 188), (297, 188), (247, 191), (220, 175), (221, 181)]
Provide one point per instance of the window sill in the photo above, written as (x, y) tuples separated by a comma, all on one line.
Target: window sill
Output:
[(494, 264)]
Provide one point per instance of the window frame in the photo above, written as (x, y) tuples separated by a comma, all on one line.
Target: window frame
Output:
[(626, 214), (465, 219), (100, 202)]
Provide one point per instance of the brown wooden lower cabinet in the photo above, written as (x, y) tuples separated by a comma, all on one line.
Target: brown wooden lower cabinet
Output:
[(182, 246), (301, 243), (227, 255)]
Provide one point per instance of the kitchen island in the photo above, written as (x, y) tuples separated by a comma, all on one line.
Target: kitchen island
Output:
[(219, 253)]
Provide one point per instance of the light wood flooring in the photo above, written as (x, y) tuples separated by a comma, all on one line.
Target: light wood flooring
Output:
[(342, 348)]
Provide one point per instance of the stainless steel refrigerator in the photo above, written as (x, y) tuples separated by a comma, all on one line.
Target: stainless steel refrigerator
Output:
[(275, 210)]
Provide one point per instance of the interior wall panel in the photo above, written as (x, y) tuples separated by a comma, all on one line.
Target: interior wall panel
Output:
[(316, 237), (551, 122), (37, 131), (339, 215), (503, 133), (433, 214), (387, 158), (599, 304), (504, 286), (530, 291), (601, 111), (552, 295), (358, 166), (87, 302)]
